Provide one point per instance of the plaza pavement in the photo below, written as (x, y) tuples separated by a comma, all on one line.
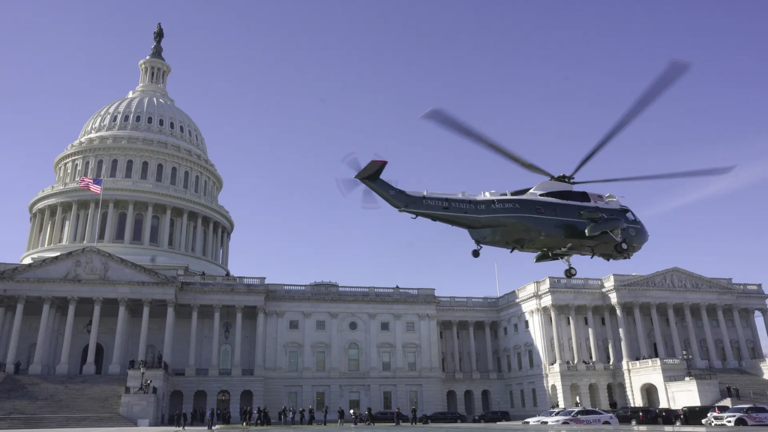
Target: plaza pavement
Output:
[(513, 426)]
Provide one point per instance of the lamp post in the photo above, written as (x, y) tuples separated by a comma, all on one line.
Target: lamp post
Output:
[(687, 358)]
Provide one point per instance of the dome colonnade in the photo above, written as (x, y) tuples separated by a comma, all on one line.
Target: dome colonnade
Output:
[(160, 190)]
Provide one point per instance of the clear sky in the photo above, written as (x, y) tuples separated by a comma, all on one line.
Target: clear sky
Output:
[(283, 90)]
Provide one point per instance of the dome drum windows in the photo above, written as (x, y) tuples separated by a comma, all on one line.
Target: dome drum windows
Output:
[(113, 169), (122, 219), (129, 169), (173, 176), (197, 184), (181, 128), (186, 180), (173, 126), (138, 226), (126, 118), (159, 173), (161, 122), (144, 170), (149, 120), (153, 230), (138, 119)]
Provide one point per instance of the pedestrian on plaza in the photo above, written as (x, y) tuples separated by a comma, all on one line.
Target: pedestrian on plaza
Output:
[(340, 416), (184, 420), (325, 415), (728, 390), (413, 415), (738, 393)]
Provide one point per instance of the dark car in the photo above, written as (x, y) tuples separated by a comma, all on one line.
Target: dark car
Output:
[(388, 417), (447, 417), (667, 416), (636, 415), (492, 417)]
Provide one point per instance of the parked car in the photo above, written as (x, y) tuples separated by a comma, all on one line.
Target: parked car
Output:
[(667, 416), (492, 417), (582, 416), (717, 409), (693, 415), (637, 415), (742, 415), (389, 417), (543, 416), (446, 417)]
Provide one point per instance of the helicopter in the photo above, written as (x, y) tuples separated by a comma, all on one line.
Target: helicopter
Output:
[(551, 219)]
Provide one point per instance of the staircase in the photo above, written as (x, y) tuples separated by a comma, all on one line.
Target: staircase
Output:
[(753, 388), (52, 402)]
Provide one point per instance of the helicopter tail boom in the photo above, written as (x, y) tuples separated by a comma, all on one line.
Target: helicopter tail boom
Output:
[(372, 171), (370, 176)]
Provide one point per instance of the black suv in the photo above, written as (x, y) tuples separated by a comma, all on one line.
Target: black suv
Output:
[(492, 417), (389, 417), (637, 415), (447, 417)]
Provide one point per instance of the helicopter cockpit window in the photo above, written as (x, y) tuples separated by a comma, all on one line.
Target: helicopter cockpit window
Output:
[(567, 195), (631, 216)]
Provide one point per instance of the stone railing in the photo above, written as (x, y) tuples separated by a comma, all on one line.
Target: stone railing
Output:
[(748, 288), (655, 362), (473, 302), (608, 367), (356, 291), (241, 280)]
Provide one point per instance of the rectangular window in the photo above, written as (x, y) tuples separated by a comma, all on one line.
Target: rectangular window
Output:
[(729, 323), (411, 357), (293, 325), (715, 323), (539, 210), (527, 326), (320, 401), (320, 325), (519, 356), (320, 361), (699, 323), (354, 400), (530, 359), (385, 327), (495, 334), (505, 331), (586, 322), (441, 334), (533, 398), (387, 398), (514, 327), (386, 361), (568, 321), (413, 399), (509, 363), (410, 326), (498, 364), (293, 399), (602, 320), (522, 398), (293, 361), (511, 399), (744, 323)]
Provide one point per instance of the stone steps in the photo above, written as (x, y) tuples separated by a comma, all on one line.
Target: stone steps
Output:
[(753, 388)]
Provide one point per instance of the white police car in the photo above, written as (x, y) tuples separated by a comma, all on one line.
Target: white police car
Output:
[(543, 416), (742, 415), (582, 416)]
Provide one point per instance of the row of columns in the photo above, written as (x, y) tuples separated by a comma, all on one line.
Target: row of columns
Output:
[(453, 327)]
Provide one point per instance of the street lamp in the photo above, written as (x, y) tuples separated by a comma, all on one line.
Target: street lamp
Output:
[(88, 326), (687, 358)]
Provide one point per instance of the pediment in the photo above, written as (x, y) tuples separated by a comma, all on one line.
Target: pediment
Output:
[(675, 278), (85, 265)]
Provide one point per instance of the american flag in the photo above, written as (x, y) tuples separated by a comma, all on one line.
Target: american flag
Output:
[(597, 198), (93, 185)]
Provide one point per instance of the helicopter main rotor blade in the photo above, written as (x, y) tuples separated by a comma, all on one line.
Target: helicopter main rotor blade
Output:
[(441, 117), (352, 162), (680, 174), (672, 73)]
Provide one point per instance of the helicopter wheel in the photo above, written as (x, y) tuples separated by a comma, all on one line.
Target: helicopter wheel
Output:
[(570, 272), (476, 253), (621, 247)]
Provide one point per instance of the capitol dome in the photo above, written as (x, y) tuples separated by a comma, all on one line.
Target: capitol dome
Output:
[(159, 202)]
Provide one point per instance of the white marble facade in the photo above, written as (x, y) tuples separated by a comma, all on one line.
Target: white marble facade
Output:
[(149, 275)]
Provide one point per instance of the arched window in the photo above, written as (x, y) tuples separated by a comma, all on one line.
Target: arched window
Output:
[(126, 118), (149, 120), (64, 229), (120, 230), (99, 168), (197, 184), (159, 173), (138, 225), (87, 168), (353, 357), (173, 126), (171, 230), (138, 119), (74, 172), (113, 169), (102, 225), (114, 118), (128, 169), (173, 176), (144, 170), (161, 122), (181, 128), (186, 179), (205, 188), (153, 229)]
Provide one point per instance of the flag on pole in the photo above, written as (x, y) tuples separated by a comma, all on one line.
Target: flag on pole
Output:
[(93, 185)]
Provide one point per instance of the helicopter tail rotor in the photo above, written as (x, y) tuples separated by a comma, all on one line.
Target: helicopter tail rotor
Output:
[(348, 185)]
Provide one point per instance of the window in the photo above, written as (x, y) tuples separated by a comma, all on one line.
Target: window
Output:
[(161, 122), (566, 195), (153, 229), (385, 326), (714, 323), (729, 323), (530, 359), (181, 128), (171, 229), (353, 325), (205, 188), (630, 216), (293, 399), (387, 398), (744, 323), (353, 357), (173, 126), (586, 323), (602, 321), (144, 170), (149, 120), (293, 325), (197, 184), (509, 363), (113, 169), (413, 398), (126, 118), (74, 172), (505, 331), (173, 176), (568, 321), (159, 173), (138, 119), (319, 401), (320, 325), (527, 326), (539, 210), (320, 361), (138, 226), (114, 118), (411, 357), (410, 326), (495, 333), (354, 401), (386, 361), (186, 179), (519, 357), (293, 361), (511, 399), (128, 169), (120, 233), (514, 327), (498, 364), (522, 398), (533, 398), (87, 168)]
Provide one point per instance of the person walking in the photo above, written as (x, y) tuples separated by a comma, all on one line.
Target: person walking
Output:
[(728, 390), (413, 415), (325, 415), (340, 416), (184, 420)]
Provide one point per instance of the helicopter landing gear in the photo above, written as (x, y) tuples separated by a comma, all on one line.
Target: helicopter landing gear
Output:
[(476, 252), (570, 271), (621, 247)]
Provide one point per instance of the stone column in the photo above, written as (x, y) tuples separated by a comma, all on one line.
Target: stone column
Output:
[(713, 360), (199, 239), (5, 336), (42, 335), (191, 367), (144, 328), (740, 333), (117, 358), (619, 306), (183, 234), (90, 367), (657, 331), (488, 346), (31, 235), (170, 318), (226, 249), (63, 367), (473, 351), (57, 227), (214, 369), (209, 241), (52, 340), (81, 225), (334, 343), (609, 336), (592, 341), (692, 334), (217, 246), (237, 369), (641, 337), (46, 234), (372, 342), (724, 335), (2, 322), (555, 332), (673, 328), (166, 227), (764, 313), (574, 334), (109, 226), (434, 342), (755, 334), (89, 223), (456, 362), (73, 224), (148, 225), (128, 225), (260, 338), (36, 236), (400, 358)]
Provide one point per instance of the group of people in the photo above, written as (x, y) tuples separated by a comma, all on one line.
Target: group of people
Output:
[(730, 391)]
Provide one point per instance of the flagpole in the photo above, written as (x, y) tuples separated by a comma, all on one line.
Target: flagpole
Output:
[(498, 294), (98, 217)]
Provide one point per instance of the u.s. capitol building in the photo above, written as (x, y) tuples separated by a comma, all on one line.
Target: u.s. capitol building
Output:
[(147, 278)]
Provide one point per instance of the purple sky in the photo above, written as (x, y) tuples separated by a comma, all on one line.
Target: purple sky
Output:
[(282, 90)]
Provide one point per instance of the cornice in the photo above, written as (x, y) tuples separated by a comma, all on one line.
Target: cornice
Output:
[(188, 288), (343, 299), (39, 282)]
